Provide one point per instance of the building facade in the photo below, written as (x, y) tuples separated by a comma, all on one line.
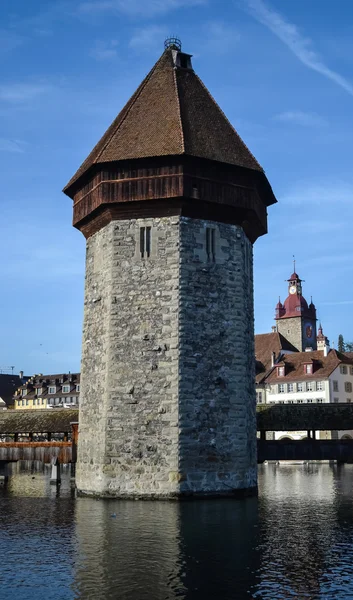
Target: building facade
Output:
[(295, 365), (170, 201), (48, 391)]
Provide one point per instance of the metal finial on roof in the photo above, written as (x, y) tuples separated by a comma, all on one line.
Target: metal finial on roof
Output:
[(173, 42), (293, 263)]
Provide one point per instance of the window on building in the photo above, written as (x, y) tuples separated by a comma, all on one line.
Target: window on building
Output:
[(335, 386), (290, 387), (319, 386), (145, 242), (42, 401), (210, 244), (38, 391), (66, 389), (77, 387), (309, 400), (27, 402), (347, 386), (281, 388), (300, 401), (308, 369), (52, 390), (51, 401), (310, 386), (23, 392), (34, 401), (349, 400), (258, 397), (336, 400), (280, 371), (343, 369), (299, 387), (319, 400), (57, 401)]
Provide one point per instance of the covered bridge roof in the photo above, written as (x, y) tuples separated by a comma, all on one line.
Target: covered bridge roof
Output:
[(56, 420)]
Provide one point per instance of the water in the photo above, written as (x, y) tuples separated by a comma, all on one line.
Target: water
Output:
[(294, 541)]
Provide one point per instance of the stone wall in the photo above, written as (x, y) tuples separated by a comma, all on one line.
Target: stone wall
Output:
[(216, 389), (167, 394), (293, 329)]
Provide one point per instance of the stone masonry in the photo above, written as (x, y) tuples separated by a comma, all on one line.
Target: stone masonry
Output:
[(167, 394), (293, 330)]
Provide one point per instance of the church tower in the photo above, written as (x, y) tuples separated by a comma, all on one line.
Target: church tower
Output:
[(170, 201), (296, 320)]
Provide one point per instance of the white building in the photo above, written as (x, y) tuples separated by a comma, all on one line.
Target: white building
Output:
[(287, 377)]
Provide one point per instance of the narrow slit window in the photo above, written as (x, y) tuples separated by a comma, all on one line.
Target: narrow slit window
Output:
[(210, 244), (145, 242), (148, 241)]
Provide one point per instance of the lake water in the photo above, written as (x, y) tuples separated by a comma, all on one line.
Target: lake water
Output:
[(294, 541)]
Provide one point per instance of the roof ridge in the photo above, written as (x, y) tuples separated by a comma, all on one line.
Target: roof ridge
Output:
[(132, 103), (179, 110), (228, 121)]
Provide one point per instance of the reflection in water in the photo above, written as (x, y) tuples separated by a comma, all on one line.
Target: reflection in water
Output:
[(295, 541), (165, 550)]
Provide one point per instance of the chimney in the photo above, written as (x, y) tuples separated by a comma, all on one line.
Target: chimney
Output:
[(273, 359), (21, 374), (274, 328)]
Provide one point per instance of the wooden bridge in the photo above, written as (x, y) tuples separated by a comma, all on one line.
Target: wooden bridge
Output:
[(53, 433), (38, 435)]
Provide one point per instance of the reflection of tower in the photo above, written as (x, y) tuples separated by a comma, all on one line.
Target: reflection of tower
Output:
[(171, 201), (166, 550), (128, 550), (296, 321)]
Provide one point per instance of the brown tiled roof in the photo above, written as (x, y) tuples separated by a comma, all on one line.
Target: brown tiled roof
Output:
[(294, 363), (171, 113), (265, 344)]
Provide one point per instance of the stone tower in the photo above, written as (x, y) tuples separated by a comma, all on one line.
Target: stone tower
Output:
[(170, 201), (296, 320)]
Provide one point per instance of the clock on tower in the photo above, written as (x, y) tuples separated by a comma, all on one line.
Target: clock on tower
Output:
[(296, 320)]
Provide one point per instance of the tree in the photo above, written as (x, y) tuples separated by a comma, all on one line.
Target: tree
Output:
[(348, 346), (341, 344)]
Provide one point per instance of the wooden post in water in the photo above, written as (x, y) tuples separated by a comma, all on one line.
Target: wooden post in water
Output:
[(74, 440), (55, 477)]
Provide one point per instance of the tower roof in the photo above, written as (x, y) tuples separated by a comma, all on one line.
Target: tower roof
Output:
[(171, 113)]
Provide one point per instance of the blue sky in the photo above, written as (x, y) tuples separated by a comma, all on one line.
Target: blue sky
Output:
[(281, 71)]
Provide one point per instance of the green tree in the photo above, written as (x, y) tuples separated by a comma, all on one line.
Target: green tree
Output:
[(348, 346), (341, 344)]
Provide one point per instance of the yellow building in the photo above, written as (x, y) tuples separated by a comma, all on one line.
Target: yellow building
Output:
[(48, 391)]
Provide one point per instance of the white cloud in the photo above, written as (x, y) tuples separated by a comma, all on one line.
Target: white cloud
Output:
[(11, 145), (220, 37), (149, 8), (147, 37), (22, 92), (290, 35), (103, 50), (325, 193), (298, 117)]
